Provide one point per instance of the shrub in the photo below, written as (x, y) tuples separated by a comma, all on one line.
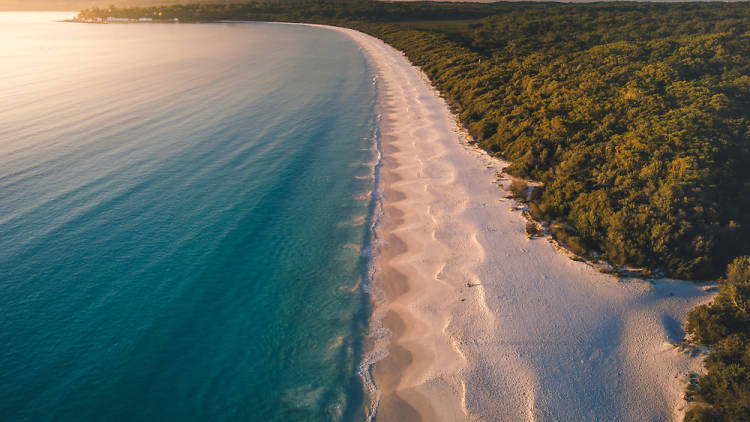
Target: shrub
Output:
[(518, 189), (531, 229), (568, 239)]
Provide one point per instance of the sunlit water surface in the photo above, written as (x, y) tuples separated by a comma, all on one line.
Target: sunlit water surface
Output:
[(182, 209)]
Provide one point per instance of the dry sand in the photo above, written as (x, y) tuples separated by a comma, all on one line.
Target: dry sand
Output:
[(536, 336)]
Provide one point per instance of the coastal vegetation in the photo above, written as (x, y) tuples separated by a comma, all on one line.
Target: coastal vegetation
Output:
[(633, 117), (723, 394)]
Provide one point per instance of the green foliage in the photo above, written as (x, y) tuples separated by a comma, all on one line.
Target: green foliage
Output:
[(739, 270), (702, 414), (723, 394), (518, 188), (569, 238)]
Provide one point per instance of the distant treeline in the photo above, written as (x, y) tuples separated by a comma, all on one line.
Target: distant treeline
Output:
[(331, 11), (634, 116)]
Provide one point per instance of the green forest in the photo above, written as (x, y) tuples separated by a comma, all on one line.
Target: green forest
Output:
[(635, 117)]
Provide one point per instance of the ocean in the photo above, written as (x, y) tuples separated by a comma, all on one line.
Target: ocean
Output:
[(184, 215)]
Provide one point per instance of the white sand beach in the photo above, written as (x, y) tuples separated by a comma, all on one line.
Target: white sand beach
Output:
[(534, 336)]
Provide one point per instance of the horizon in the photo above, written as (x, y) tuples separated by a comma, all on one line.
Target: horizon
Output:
[(77, 5)]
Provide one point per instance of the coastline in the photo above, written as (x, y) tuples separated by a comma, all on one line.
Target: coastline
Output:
[(485, 323)]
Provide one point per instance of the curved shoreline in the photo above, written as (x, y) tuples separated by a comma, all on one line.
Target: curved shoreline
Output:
[(408, 263), (485, 323)]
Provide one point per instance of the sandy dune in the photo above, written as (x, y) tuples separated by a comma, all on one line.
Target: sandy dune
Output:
[(536, 336)]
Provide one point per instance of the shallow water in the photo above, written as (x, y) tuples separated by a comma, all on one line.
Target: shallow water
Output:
[(182, 209)]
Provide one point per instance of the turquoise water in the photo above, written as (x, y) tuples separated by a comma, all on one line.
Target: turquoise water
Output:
[(182, 209)]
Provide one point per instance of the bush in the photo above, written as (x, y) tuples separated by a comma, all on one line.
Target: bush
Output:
[(702, 414), (568, 239), (536, 211), (518, 189), (531, 229)]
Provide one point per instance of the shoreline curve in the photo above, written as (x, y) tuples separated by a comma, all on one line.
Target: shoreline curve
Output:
[(485, 323)]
